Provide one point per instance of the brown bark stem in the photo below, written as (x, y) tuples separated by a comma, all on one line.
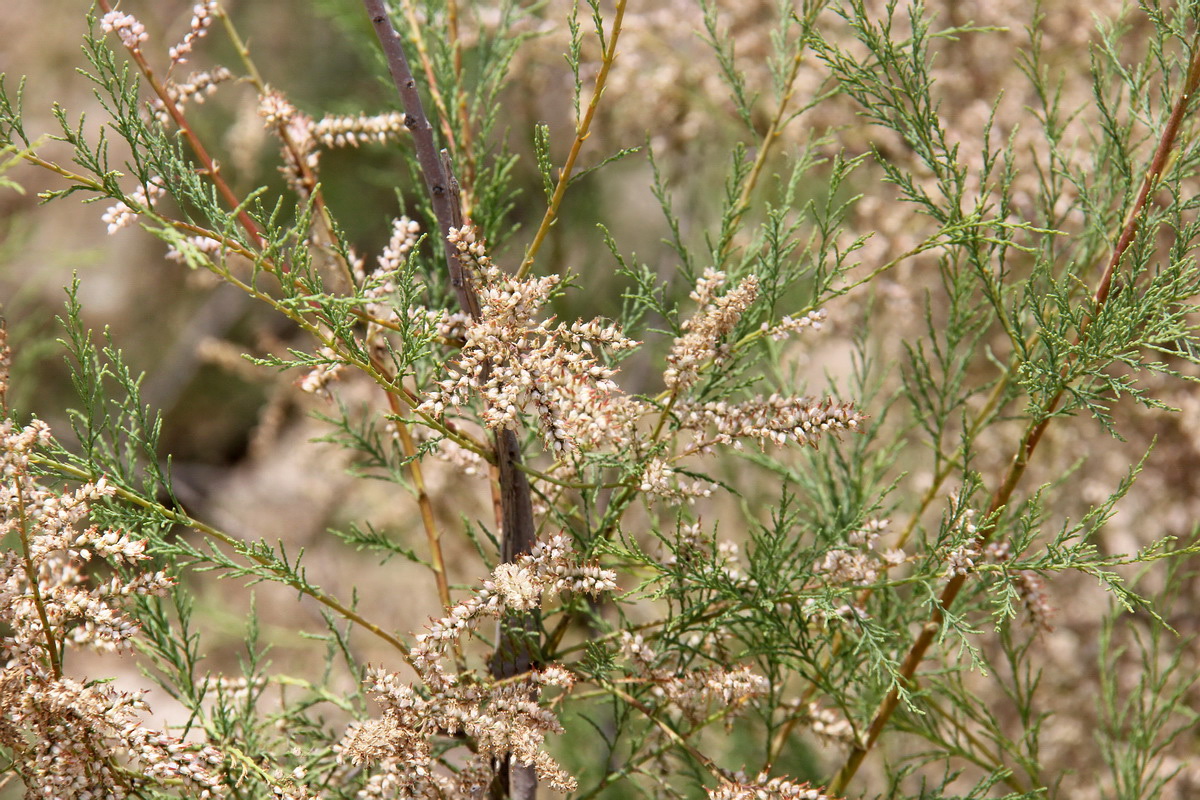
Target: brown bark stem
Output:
[(515, 651)]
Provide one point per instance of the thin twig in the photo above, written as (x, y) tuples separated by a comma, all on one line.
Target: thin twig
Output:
[(581, 135), (31, 575), (210, 167), (778, 121), (463, 148), (433, 534), (308, 184)]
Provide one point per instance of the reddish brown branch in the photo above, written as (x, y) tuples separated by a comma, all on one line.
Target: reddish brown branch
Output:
[(210, 167), (1033, 434)]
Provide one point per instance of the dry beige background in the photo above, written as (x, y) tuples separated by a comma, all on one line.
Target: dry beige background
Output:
[(243, 440)]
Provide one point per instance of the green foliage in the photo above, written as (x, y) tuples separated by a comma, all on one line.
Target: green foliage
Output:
[(890, 580)]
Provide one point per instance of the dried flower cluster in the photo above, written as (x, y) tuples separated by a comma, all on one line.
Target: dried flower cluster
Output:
[(516, 361), (298, 150), (764, 788), (704, 332), (725, 559), (659, 479), (380, 286), (319, 378), (71, 738), (774, 419), (301, 136), (960, 559), (691, 543), (1030, 586), (361, 129), (193, 248), (517, 586), (787, 325), (503, 720), (197, 87), (275, 109), (828, 725), (405, 234), (860, 564), (694, 692)]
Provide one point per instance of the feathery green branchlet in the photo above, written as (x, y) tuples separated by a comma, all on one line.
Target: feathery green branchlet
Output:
[(806, 502)]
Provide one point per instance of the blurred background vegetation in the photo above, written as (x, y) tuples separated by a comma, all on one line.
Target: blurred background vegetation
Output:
[(241, 438)]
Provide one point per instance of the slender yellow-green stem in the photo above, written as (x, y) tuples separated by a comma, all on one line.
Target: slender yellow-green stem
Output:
[(31, 575), (994, 763), (433, 534), (778, 122), (582, 131)]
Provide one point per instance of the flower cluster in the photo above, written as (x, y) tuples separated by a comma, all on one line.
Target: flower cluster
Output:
[(380, 287), (659, 479), (362, 129), (295, 131), (691, 543), (320, 376), (70, 738), (193, 248), (694, 692), (127, 27), (519, 363), (517, 586), (861, 563), (197, 87), (503, 721), (764, 788), (1030, 586), (1032, 589), (202, 19), (301, 136), (516, 362), (828, 725), (405, 234), (120, 214), (774, 419), (787, 326), (275, 109), (704, 331), (464, 461), (960, 559)]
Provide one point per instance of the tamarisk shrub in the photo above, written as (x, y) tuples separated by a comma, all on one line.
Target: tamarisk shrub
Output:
[(828, 493)]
